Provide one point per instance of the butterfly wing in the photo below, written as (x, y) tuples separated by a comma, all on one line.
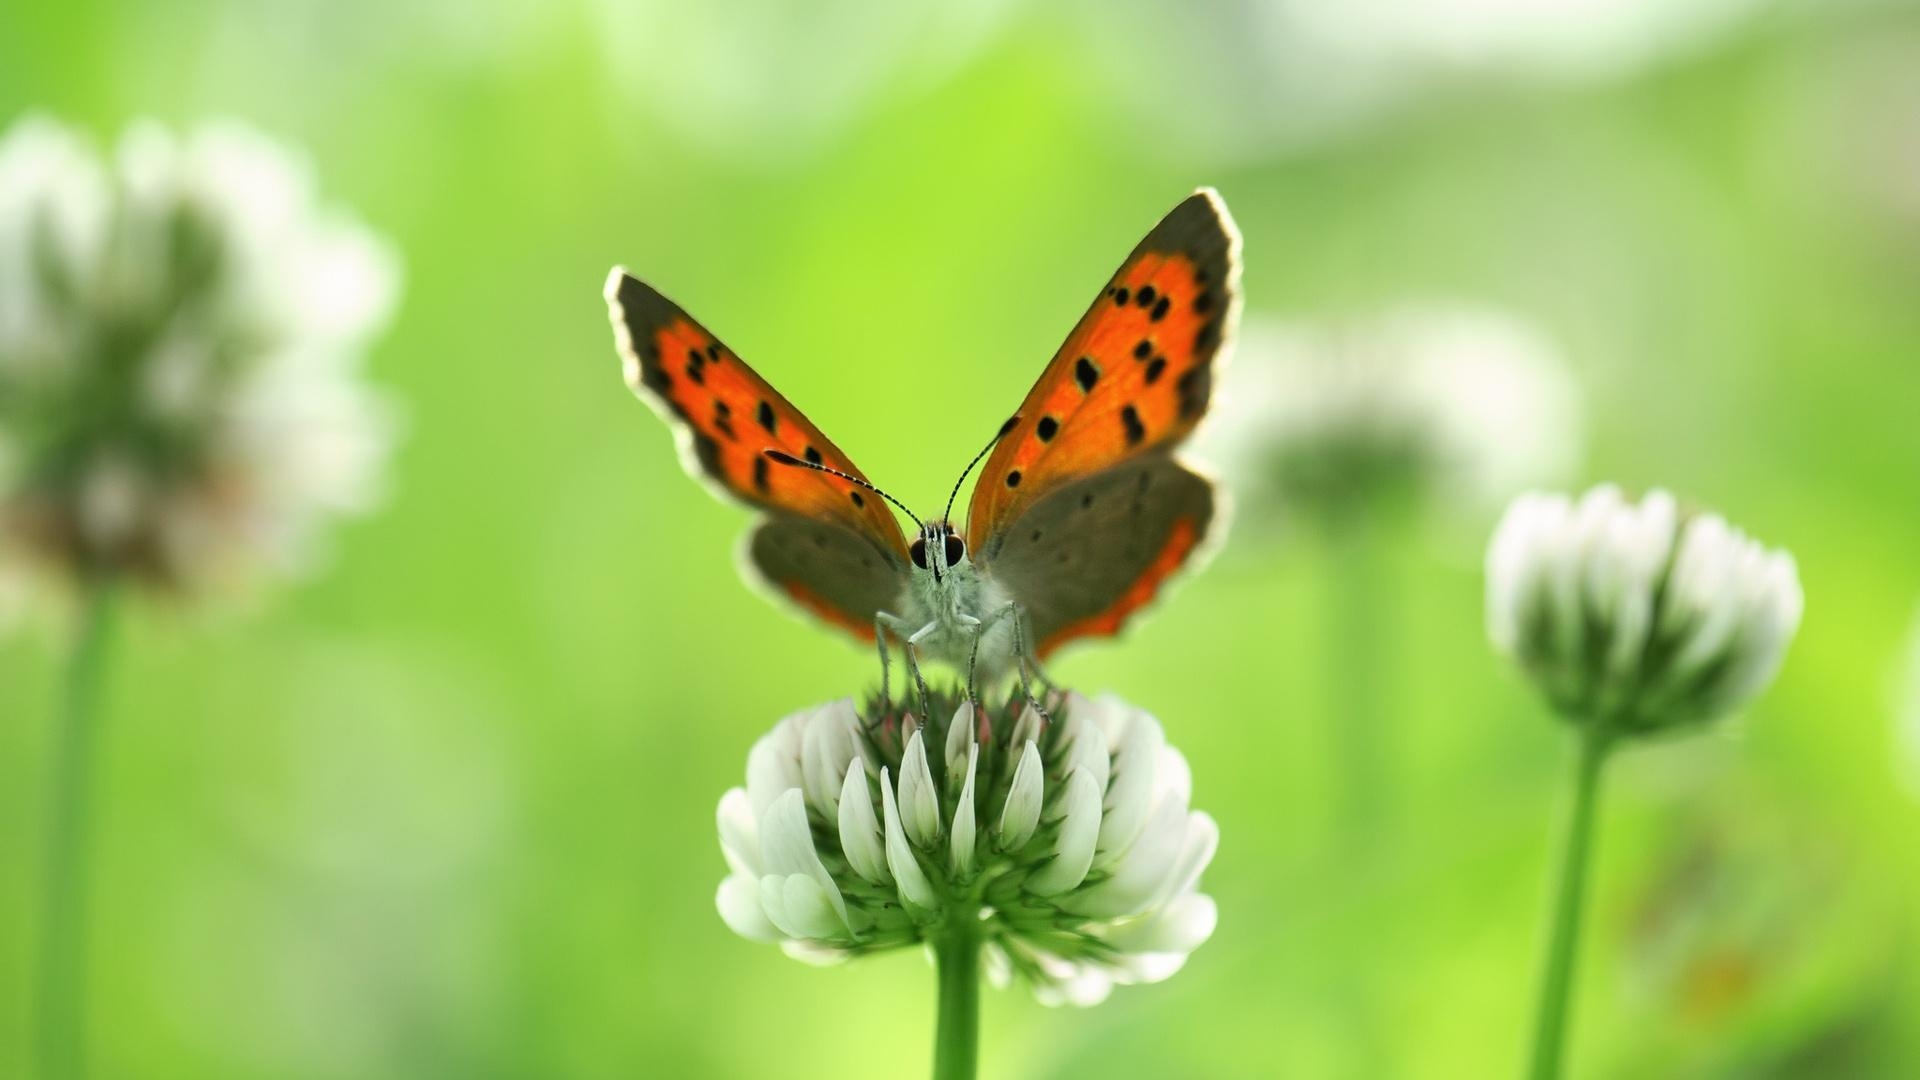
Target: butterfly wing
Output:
[(1130, 384), (826, 543), (827, 570), (1092, 552)]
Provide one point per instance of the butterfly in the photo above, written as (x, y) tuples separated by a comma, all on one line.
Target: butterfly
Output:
[(1081, 514)]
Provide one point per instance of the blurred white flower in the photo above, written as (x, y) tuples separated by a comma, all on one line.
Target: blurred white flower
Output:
[(1637, 617), (771, 78), (1454, 406), (180, 335), (1068, 843), (1285, 73)]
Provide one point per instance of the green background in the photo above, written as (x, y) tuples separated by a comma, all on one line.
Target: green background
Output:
[(447, 809)]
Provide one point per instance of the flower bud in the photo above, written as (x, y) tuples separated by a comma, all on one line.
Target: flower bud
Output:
[(1637, 617)]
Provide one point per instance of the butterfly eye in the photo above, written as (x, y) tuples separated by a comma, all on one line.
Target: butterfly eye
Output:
[(919, 553), (955, 549)]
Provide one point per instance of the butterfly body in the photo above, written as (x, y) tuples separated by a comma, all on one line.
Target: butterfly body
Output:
[(950, 610), (1082, 511)]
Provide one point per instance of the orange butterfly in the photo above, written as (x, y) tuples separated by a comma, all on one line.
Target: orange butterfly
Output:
[(1080, 515)]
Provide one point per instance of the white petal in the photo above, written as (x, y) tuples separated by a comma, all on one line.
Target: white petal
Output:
[(738, 901), (1150, 967), (960, 846), (1129, 798), (998, 967), (1515, 566), (1180, 927), (1143, 873), (860, 836), (1021, 814), (1086, 748), (919, 805), (812, 911), (1703, 591), (739, 833), (959, 737), (912, 881), (1196, 852), (829, 741), (1079, 829), (773, 765), (814, 953), (773, 900), (786, 848)]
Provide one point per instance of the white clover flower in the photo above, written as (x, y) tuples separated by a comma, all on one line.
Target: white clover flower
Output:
[(180, 335), (1638, 617), (1288, 73), (1067, 846), (1449, 405)]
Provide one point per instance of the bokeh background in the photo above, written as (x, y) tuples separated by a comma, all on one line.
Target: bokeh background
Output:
[(446, 810)]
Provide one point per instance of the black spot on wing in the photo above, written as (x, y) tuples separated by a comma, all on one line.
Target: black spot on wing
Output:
[(765, 416), (1086, 373), (1047, 428), (1130, 423)]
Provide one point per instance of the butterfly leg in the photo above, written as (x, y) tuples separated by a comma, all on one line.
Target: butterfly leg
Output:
[(913, 666), (886, 621), (1024, 660), (1023, 648)]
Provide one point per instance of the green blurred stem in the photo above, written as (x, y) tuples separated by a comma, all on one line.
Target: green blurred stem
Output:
[(62, 962), (956, 1040), (1563, 934), (1357, 631)]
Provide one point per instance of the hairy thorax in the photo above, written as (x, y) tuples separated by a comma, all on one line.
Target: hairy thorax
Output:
[(949, 608)]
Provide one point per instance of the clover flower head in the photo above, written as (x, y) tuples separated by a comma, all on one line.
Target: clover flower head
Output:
[(1438, 404), (180, 331), (1638, 616), (1066, 843)]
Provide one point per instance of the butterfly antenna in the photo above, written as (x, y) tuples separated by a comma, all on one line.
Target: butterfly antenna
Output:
[(947, 514), (780, 457)]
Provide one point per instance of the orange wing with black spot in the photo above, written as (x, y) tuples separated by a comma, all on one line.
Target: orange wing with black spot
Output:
[(828, 544), (1085, 480)]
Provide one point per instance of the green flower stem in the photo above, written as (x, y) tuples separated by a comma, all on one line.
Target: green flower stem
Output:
[(61, 973), (956, 1040), (1563, 940)]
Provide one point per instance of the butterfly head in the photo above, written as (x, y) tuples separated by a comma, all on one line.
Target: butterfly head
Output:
[(938, 549)]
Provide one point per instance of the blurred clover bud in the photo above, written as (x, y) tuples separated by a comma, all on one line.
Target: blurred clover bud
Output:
[(1435, 405), (1066, 846), (1637, 618), (180, 332)]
